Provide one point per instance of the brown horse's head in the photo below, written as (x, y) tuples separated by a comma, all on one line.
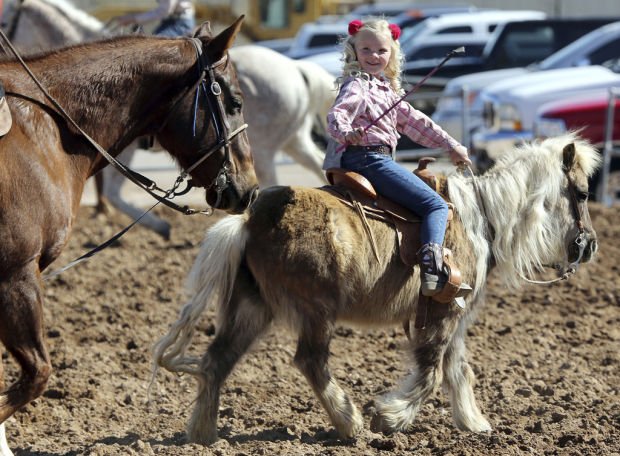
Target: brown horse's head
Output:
[(208, 125)]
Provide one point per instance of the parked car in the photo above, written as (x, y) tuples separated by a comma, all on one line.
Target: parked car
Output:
[(324, 35), (434, 37), (510, 106), (593, 48), (586, 113)]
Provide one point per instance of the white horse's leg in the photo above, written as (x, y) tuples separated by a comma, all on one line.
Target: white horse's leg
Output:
[(112, 183), (304, 151), (459, 381), (311, 359), (265, 167), (4, 446)]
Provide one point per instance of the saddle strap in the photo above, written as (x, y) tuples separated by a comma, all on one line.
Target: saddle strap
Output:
[(451, 288)]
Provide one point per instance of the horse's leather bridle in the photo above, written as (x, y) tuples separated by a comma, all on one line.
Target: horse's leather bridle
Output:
[(225, 137)]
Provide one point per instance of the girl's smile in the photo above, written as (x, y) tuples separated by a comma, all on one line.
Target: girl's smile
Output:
[(373, 51)]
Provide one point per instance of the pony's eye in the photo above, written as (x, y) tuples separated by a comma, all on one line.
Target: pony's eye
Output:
[(581, 195)]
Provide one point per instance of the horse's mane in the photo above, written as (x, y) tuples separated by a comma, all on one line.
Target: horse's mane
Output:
[(518, 192), (75, 15)]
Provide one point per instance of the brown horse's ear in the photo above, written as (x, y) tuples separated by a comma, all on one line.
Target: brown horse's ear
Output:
[(204, 30), (568, 156), (218, 46)]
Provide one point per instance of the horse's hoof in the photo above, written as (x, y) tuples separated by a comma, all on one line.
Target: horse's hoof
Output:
[(201, 437)]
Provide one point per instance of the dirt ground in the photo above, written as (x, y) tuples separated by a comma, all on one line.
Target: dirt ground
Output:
[(546, 360)]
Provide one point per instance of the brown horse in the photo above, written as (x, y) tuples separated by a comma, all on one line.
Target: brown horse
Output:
[(301, 256), (184, 92)]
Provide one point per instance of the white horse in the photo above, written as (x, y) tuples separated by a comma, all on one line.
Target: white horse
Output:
[(284, 98)]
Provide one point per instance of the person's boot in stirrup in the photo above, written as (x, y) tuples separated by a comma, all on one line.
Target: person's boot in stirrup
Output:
[(431, 269)]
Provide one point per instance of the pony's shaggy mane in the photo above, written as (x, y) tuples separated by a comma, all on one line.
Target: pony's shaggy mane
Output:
[(525, 237)]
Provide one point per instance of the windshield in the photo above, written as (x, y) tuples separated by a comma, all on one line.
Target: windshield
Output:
[(567, 53)]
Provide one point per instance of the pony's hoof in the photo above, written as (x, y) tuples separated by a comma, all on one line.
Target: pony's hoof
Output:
[(201, 436), (378, 424)]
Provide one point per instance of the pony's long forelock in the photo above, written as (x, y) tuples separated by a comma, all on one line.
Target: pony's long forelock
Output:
[(517, 193)]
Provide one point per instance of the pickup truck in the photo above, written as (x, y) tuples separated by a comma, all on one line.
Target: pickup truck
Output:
[(591, 43), (587, 114)]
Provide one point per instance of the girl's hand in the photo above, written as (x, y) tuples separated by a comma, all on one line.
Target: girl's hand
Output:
[(459, 155), (355, 136)]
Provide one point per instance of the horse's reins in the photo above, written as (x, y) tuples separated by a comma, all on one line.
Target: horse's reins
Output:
[(580, 240), (224, 140), (142, 181)]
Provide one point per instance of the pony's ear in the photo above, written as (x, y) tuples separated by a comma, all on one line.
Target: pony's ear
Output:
[(204, 30), (218, 46), (568, 156)]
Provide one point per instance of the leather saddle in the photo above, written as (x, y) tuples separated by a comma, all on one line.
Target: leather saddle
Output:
[(355, 191)]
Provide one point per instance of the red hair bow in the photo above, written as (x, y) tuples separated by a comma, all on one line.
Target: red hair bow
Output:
[(396, 31), (354, 26)]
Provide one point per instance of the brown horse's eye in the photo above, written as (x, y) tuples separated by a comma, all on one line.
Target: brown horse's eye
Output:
[(236, 104)]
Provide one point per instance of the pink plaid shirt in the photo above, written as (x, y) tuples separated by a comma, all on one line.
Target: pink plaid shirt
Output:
[(361, 101)]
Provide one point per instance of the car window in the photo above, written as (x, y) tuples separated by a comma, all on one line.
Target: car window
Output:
[(455, 29), (608, 52), (324, 39), (441, 50), (524, 47)]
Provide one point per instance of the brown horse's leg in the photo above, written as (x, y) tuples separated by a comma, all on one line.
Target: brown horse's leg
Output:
[(397, 409), (312, 360), (21, 331), (239, 324), (102, 207), (459, 381)]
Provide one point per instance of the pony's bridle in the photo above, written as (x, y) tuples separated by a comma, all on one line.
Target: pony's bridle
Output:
[(579, 241)]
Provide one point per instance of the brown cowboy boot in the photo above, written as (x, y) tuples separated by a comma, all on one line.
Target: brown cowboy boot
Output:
[(432, 274)]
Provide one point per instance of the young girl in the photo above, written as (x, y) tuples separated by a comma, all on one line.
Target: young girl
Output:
[(369, 86)]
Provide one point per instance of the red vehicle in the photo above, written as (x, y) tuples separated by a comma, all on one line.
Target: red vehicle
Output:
[(586, 112)]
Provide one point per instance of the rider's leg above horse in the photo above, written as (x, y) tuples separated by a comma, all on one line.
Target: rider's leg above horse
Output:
[(243, 319), (459, 381), (311, 358), (397, 409), (21, 331)]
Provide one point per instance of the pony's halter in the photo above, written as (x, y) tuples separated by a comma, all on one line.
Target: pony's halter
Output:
[(579, 241)]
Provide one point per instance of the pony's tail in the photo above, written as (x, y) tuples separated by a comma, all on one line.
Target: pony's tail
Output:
[(209, 281)]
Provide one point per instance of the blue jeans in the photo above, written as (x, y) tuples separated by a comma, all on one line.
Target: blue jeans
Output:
[(400, 185), (175, 27)]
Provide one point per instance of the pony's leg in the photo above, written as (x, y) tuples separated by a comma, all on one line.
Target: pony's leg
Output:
[(397, 409), (242, 320), (112, 183), (21, 331), (265, 167), (459, 381), (304, 151), (312, 360)]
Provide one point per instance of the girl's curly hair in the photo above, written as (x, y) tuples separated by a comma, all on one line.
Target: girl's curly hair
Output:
[(352, 66)]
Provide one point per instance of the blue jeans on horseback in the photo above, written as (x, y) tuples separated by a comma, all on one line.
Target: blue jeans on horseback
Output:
[(402, 186)]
